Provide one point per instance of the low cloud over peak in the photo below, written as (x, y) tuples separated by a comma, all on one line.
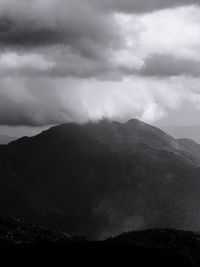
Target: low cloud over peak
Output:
[(76, 60)]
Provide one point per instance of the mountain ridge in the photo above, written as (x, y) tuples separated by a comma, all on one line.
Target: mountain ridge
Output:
[(190, 131), (133, 123), (119, 177), (177, 144)]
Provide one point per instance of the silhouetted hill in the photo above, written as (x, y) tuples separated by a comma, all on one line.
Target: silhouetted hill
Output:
[(26, 244), (101, 179), (14, 231), (180, 245)]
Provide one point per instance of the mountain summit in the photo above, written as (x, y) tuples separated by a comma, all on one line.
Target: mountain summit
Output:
[(101, 179)]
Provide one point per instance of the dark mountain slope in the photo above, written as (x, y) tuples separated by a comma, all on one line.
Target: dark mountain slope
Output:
[(184, 244), (101, 179), (191, 147)]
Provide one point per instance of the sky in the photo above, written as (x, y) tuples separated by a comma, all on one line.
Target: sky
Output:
[(80, 60)]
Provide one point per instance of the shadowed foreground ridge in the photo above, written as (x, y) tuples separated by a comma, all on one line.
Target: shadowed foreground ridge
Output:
[(102, 179), (36, 244)]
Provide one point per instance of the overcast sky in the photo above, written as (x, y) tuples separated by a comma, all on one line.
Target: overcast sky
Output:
[(74, 60)]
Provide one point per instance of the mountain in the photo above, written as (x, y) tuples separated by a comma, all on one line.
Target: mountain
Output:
[(191, 132), (167, 246), (4, 140), (101, 179)]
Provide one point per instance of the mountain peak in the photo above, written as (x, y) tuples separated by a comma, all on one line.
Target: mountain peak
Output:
[(136, 122), (120, 176)]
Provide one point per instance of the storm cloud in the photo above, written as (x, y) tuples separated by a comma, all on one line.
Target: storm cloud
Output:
[(80, 60)]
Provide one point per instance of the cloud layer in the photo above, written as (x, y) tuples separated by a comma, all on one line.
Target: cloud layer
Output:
[(76, 60), (51, 101)]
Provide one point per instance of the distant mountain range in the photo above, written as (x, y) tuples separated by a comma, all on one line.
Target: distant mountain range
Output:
[(101, 179), (4, 140), (192, 132)]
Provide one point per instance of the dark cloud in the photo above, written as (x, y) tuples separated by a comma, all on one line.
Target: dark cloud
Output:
[(79, 37), (25, 33), (73, 35), (75, 23), (70, 23)]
